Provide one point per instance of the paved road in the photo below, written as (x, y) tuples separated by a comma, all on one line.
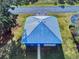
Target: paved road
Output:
[(50, 9), (46, 53)]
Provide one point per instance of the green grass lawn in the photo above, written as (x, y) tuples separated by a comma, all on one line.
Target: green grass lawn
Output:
[(68, 47), (48, 4)]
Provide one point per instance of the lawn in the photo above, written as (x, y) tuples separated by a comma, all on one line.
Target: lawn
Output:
[(68, 47), (47, 4)]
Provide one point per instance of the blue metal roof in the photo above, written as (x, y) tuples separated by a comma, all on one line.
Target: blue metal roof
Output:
[(41, 30)]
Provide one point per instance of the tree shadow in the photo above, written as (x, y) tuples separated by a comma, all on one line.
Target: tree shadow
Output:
[(5, 37)]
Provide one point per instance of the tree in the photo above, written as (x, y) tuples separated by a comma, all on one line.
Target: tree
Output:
[(61, 1), (6, 23)]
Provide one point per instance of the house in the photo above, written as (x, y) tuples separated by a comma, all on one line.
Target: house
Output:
[(42, 30)]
